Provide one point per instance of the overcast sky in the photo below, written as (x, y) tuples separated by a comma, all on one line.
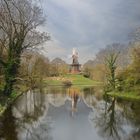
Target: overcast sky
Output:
[(88, 25)]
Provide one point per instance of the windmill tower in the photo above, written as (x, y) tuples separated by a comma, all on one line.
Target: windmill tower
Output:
[(75, 66)]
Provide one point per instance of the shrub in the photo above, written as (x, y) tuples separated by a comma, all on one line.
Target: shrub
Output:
[(67, 83)]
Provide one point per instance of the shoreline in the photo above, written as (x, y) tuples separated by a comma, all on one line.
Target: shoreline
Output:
[(131, 96)]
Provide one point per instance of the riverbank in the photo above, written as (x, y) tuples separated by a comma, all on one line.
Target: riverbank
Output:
[(73, 79), (125, 95)]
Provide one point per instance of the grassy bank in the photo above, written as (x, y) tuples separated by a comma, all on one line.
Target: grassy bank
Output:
[(125, 95), (76, 79)]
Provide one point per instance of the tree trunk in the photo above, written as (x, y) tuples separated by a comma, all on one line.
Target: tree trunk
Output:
[(8, 88), (10, 73)]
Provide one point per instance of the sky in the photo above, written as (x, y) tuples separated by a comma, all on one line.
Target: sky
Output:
[(87, 25)]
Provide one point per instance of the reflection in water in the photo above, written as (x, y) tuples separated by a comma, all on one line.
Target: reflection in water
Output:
[(24, 117), (8, 126), (70, 114), (113, 123), (74, 94), (107, 121)]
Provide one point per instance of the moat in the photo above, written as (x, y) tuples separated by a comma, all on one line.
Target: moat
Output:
[(70, 114)]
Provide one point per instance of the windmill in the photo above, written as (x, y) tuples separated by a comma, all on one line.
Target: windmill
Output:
[(74, 56), (75, 66)]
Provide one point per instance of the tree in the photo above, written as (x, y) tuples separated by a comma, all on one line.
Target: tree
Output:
[(110, 62), (134, 67), (124, 55), (58, 67), (98, 67), (130, 77), (33, 68), (19, 20)]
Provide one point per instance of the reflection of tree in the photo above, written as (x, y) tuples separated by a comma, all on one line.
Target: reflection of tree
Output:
[(135, 107), (57, 90), (132, 113), (92, 95), (114, 117), (108, 121), (24, 119), (135, 135), (111, 123), (8, 126), (88, 91), (36, 130), (30, 105), (33, 110)]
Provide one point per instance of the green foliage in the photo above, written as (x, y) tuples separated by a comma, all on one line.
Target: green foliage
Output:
[(78, 79), (67, 83), (110, 62), (10, 71), (54, 71), (15, 38), (58, 69), (13, 95), (129, 78), (125, 95), (87, 72), (2, 108)]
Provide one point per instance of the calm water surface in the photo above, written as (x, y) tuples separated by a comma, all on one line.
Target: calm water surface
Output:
[(70, 114)]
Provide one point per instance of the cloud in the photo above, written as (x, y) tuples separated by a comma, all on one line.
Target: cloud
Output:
[(89, 25), (53, 49)]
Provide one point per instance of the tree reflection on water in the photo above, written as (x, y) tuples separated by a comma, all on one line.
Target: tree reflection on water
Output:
[(39, 116), (107, 122), (113, 121), (22, 121)]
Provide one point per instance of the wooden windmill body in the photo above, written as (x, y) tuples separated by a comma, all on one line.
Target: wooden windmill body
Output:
[(75, 66)]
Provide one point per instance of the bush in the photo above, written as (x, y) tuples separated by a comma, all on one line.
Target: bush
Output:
[(86, 75), (67, 83)]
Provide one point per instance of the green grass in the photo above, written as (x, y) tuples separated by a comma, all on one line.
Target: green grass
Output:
[(53, 82), (126, 95), (76, 79), (80, 80)]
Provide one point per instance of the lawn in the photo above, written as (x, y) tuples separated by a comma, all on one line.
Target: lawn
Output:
[(126, 95), (76, 79)]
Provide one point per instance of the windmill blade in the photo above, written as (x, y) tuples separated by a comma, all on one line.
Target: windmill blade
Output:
[(74, 51)]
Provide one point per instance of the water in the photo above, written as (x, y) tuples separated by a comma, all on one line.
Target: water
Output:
[(70, 114)]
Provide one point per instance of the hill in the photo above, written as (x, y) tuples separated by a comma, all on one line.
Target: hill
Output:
[(75, 79)]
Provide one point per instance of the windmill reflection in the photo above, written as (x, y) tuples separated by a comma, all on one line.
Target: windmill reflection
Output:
[(74, 94)]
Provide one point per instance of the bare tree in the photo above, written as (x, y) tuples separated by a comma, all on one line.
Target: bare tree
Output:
[(19, 20)]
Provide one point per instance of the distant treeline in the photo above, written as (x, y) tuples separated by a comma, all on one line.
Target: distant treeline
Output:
[(36, 67), (127, 74)]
